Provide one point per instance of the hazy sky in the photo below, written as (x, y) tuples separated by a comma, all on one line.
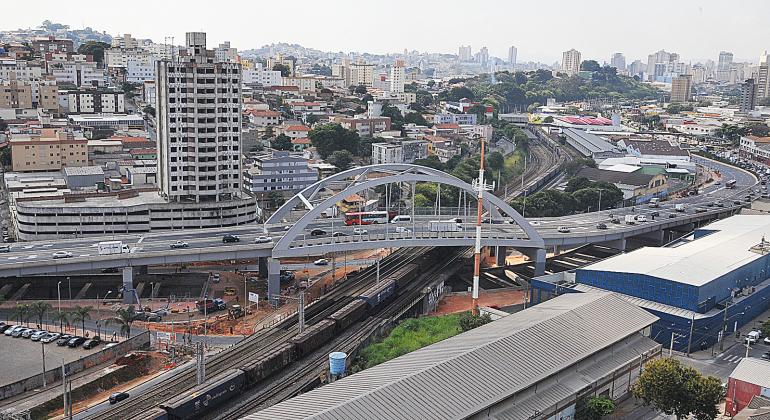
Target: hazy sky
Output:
[(540, 30)]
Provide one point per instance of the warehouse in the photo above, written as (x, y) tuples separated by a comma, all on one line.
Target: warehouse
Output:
[(538, 363), (714, 280)]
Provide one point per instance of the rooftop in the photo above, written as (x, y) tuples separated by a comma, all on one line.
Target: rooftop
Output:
[(83, 170), (465, 374), (700, 261), (592, 142), (655, 147), (636, 179), (754, 371)]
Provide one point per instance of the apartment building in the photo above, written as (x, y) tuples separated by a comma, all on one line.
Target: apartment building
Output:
[(15, 94), (306, 84), (120, 57), (681, 88), (405, 151), (48, 149), (99, 101), (261, 77), (48, 44), (278, 171), (755, 148), (80, 74), (364, 126), (263, 118), (19, 70), (570, 62), (139, 71)]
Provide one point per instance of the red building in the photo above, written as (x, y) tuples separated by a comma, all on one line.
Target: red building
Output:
[(751, 377)]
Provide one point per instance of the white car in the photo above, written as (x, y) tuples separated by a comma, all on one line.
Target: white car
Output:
[(263, 240), (179, 244), (62, 254), (641, 218), (766, 341), (360, 231), (563, 229), (38, 335), (50, 337), (401, 229), (321, 261)]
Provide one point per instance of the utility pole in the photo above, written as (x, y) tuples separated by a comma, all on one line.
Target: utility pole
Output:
[(42, 346), (689, 339), (64, 387), (201, 363), (301, 312), (479, 186)]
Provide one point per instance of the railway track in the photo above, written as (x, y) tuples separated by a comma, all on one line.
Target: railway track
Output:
[(259, 342), (303, 375), (541, 160)]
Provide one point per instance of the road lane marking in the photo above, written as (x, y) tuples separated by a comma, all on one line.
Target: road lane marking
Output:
[(29, 257), (47, 245), (84, 255), (141, 238), (13, 258), (28, 246)]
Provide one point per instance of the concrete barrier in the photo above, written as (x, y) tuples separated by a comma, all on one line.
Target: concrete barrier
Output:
[(52, 375)]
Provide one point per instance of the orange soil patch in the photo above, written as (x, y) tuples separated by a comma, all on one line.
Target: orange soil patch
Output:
[(460, 302)]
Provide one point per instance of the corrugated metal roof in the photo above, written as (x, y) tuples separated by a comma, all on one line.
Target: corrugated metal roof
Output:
[(754, 371), (464, 374)]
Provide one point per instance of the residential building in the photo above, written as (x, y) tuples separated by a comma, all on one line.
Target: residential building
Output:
[(397, 77), (482, 57), (80, 74), (570, 62), (48, 44), (263, 118), (48, 149), (139, 71), (306, 84), (763, 80), (225, 53), (755, 148), (362, 73), (403, 151), (618, 61), (262, 77), (751, 378), (278, 171), (120, 57), (295, 131), (285, 61), (512, 58), (681, 88), (198, 156), (450, 118), (19, 70), (99, 101), (15, 94), (748, 98), (465, 54), (723, 66), (125, 41), (364, 126)]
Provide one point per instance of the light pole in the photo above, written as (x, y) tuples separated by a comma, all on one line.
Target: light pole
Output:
[(58, 294), (69, 283)]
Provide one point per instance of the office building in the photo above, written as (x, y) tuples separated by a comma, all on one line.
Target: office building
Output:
[(763, 80), (681, 88), (512, 58), (618, 61), (397, 76), (482, 57), (465, 53), (748, 98), (48, 149), (570, 62), (723, 66), (199, 155), (278, 171)]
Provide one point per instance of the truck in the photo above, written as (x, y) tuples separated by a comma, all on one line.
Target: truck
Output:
[(112, 247), (679, 208), (445, 226), (630, 219), (210, 305), (654, 202)]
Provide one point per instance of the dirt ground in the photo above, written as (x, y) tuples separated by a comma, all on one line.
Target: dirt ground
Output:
[(460, 302)]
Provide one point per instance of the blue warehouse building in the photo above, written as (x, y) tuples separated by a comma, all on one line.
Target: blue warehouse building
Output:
[(709, 283)]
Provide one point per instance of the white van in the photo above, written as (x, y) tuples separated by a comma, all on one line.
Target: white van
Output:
[(401, 218), (752, 337)]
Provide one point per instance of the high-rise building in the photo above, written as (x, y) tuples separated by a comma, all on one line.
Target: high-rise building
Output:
[(225, 53), (680, 88), (125, 41), (482, 57), (570, 62), (465, 53), (512, 57), (748, 95), (618, 61), (199, 124), (655, 60), (397, 77), (723, 66), (636, 68), (763, 79), (698, 72)]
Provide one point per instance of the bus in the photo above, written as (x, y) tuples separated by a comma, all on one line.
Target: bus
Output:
[(730, 184), (369, 217)]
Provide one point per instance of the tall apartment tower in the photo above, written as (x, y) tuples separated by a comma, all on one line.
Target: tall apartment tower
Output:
[(618, 61), (723, 66), (397, 77), (465, 53), (763, 78), (512, 57), (748, 96), (680, 88), (199, 121), (570, 62)]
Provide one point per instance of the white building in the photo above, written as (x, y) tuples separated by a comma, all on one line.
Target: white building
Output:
[(570, 62), (404, 151), (80, 74), (119, 58), (512, 58), (19, 70), (397, 77), (199, 123), (92, 102), (124, 41), (139, 71), (259, 76), (279, 171), (225, 53)]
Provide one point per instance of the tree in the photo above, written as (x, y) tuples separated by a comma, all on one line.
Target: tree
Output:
[(149, 109), (590, 65), (5, 156), (765, 328), (758, 129), (548, 120), (469, 321), (415, 118), (328, 138), (39, 309), (365, 146), (62, 318), (598, 407), (283, 68), (276, 199), (431, 161), (360, 90), (124, 318), (81, 314), (94, 48), (577, 183), (311, 119), (680, 390), (457, 93), (342, 159), (572, 167), (281, 142), (21, 313)]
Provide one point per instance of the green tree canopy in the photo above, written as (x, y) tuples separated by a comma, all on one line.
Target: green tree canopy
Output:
[(342, 159), (281, 142), (415, 118), (283, 68), (94, 48), (360, 90), (590, 65), (598, 407), (328, 138)]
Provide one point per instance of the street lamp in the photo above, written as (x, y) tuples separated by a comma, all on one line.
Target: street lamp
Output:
[(69, 282), (58, 294)]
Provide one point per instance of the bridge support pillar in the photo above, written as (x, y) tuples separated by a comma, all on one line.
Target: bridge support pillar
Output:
[(619, 244), (537, 256), (556, 250), (141, 270), (129, 295), (273, 279), (500, 254), (262, 265)]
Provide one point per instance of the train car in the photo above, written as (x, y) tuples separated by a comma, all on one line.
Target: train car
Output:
[(268, 364), (349, 314), (199, 400), (405, 274), (379, 293), (154, 414), (313, 337)]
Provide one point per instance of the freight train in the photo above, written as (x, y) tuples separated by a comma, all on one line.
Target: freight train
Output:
[(199, 400)]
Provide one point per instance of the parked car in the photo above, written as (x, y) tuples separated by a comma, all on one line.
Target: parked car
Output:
[(338, 234), (5, 248), (63, 340), (641, 218), (615, 220), (263, 240), (62, 254), (50, 337), (4, 327), (601, 226), (317, 232), (179, 244), (321, 261), (563, 229), (360, 231), (672, 215), (89, 344), (76, 342), (37, 335), (18, 332), (231, 238), (118, 397), (12, 330), (766, 355), (28, 333)]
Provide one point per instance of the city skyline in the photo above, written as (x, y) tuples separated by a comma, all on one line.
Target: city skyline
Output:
[(701, 36)]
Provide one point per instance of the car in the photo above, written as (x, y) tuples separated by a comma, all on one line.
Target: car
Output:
[(18, 332), (263, 240), (179, 244), (534, 223), (719, 204), (710, 204), (615, 220), (401, 229), (655, 214), (230, 238), (766, 341), (63, 340), (737, 202), (700, 210), (672, 215), (766, 355), (563, 229), (76, 342), (62, 254), (317, 232), (89, 344), (38, 335), (11, 330), (110, 345), (5, 248), (28, 333), (601, 226), (321, 261), (215, 277), (641, 218), (717, 183), (110, 270), (338, 234), (50, 337), (118, 397), (360, 231), (4, 327)]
